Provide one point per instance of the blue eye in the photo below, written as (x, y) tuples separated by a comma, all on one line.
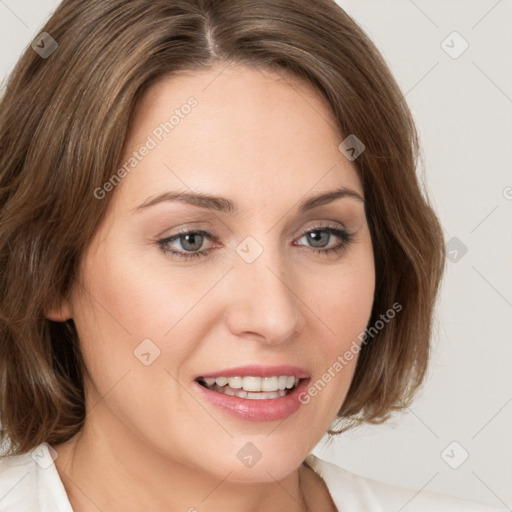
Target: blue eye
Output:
[(189, 240), (322, 235), (192, 240)]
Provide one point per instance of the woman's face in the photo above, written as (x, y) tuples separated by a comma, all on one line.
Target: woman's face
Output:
[(269, 289)]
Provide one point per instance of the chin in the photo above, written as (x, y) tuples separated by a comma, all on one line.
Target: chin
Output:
[(261, 459), (263, 471)]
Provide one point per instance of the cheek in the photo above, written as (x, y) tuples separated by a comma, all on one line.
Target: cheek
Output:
[(123, 316), (116, 311), (342, 300), (136, 297), (342, 303), (130, 297)]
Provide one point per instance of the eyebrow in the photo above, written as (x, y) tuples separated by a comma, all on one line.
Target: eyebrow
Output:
[(223, 205)]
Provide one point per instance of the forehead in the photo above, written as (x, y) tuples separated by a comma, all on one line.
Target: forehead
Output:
[(250, 130)]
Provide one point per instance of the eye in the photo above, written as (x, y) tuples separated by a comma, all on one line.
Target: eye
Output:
[(191, 242), (320, 236)]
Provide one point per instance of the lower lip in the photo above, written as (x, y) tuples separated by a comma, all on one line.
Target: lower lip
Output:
[(272, 409)]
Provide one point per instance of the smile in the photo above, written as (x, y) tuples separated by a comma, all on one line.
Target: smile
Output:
[(251, 387), (255, 392)]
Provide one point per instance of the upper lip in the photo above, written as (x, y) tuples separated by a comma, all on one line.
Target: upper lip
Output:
[(259, 371)]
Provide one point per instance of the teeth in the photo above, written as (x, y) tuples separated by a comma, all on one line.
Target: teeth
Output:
[(251, 384), (262, 395), (270, 383), (281, 381), (235, 382), (256, 388)]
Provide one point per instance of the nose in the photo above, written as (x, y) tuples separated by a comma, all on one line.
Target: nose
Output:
[(263, 303)]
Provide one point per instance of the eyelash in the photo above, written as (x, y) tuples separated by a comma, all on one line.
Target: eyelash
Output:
[(346, 239)]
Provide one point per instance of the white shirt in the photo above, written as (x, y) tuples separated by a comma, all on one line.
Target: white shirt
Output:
[(31, 483)]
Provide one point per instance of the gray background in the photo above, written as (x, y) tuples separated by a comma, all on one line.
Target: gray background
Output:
[(463, 109)]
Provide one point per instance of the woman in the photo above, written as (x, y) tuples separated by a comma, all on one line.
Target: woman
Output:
[(214, 249)]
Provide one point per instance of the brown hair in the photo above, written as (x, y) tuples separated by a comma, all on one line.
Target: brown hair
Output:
[(63, 123)]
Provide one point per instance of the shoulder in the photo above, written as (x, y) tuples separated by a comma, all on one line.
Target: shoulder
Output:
[(30, 481), (356, 493)]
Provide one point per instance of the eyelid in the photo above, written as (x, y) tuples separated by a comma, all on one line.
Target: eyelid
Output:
[(210, 231), (323, 224), (208, 234), (333, 228), (189, 226)]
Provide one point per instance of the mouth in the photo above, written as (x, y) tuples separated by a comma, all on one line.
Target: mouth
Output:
[(255, 392), (252, 387)]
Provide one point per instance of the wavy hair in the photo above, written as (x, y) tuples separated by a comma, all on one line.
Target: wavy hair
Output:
[(63, 123)]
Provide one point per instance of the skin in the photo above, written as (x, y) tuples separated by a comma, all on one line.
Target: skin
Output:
[(150, 442)]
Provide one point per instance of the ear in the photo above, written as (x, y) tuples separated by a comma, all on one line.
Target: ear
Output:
[(59, 311)]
